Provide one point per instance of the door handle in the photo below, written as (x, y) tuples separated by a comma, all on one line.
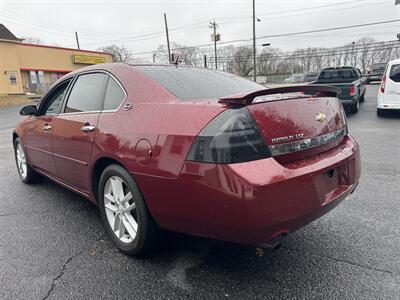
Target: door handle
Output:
[(88, 128), (47, 127)]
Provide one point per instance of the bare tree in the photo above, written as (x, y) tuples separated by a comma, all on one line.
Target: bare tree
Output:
[(32, 40), (242, 63), (267, 60), (367, 52), (184, 54), (119, 53)]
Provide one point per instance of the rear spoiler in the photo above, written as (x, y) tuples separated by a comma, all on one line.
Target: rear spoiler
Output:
[(315, 89)]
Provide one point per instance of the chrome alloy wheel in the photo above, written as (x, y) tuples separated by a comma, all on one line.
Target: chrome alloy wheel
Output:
[(120, 209), (21, 161)]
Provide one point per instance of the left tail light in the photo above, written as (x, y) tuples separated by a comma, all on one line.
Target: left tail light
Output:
[(352, 90), (383, 84), (231, 137)]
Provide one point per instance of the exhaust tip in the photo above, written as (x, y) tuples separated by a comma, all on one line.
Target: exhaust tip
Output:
[(275, 243), (270, 246)]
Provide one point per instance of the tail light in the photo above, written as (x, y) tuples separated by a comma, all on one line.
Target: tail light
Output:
[(346, 128), (352, 90), (232, 137), (383, 84)]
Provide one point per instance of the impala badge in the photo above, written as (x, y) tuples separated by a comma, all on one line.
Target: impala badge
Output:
[(320, 117)]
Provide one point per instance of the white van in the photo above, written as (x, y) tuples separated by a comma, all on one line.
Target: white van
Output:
[(389, 91)]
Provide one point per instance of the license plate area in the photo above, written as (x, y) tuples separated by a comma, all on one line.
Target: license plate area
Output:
[(332, 179), (334, 182)]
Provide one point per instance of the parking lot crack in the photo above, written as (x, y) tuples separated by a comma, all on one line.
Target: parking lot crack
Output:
[(8, 215), (348, 262), (64, 266)]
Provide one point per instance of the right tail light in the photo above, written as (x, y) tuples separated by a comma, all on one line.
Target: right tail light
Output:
[(383, 84), (344, 118)]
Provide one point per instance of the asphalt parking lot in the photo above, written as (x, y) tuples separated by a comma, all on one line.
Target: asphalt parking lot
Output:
[(53, 245)]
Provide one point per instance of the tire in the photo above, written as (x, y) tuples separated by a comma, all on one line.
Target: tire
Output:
[(120, 216), (25, 171), (362, 98), (355, 106)]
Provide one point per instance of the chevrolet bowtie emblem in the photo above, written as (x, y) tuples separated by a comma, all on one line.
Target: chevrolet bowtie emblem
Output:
[(320, 117)]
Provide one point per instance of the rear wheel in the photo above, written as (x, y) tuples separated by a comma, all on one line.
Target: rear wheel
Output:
[(124, 212), (25, 171), (355, 107)]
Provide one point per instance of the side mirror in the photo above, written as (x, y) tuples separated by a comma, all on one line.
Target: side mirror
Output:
[(29, 110)]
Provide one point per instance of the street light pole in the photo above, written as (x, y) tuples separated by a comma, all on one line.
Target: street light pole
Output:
[(254, 42)]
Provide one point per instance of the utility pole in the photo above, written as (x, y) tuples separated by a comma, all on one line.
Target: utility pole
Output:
[(254, 42), (214, 26), (352, 52), (166, 32), (77, 40), (205, 61)]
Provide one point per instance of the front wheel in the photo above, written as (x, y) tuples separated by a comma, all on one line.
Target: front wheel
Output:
[(124, 212), (25, 171)]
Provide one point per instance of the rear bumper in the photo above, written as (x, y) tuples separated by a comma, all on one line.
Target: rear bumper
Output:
[(256, 201), (348, 100), (385, 101), (389, 106)]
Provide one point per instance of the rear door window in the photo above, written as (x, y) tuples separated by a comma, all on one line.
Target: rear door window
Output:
[(395, 73), (87, 94)]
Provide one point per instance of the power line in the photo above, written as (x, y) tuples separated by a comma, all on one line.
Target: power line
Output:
[(315, 52), (283, 35), (138, 37)]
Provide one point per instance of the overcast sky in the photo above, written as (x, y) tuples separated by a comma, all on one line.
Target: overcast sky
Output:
[(139, 25)]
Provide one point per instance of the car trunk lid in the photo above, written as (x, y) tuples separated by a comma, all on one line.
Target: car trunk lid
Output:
[(296, 122)]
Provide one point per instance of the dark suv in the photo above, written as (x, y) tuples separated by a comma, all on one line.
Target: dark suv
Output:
[(375, 72)]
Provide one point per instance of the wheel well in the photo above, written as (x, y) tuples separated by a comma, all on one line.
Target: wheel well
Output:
[(15, 136), (98, 169)]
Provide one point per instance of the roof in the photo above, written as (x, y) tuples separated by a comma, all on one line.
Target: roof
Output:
[(64, 48), (339, 68), (6, 34)]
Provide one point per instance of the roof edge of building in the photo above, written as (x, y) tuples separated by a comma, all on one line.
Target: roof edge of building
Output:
[(46, 70), (63, 48), (18, 41)]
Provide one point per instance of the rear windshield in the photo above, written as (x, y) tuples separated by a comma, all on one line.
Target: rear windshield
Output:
[(339, 75), (191, 84), (395, 73)]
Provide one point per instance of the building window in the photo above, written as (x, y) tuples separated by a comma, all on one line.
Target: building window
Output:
[(33, 76), (13, 78)]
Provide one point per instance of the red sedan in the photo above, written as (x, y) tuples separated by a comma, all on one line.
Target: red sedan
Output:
[(190, 150)]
